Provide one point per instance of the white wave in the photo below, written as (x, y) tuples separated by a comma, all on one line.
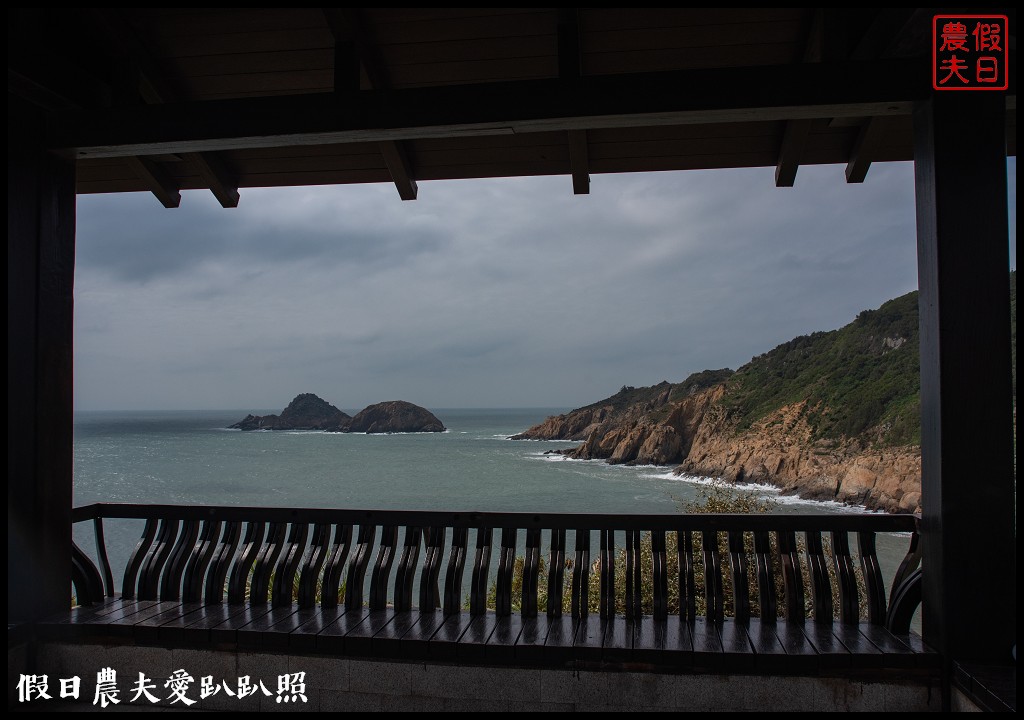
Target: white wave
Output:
[(537, 440), (549, 458), (772, 492)]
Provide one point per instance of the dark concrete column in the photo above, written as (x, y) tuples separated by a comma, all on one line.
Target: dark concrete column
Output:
[(968, 494), (40, 282)]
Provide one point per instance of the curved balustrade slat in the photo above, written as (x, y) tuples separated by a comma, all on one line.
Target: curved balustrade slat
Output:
[(846, 578), (481, 569), (821, 587), (216, 579), (405, 576), (283, 557), (580, 601), (170, 585), (288, 565), (910, 563), (905, 599), (874, 585), (160, 552), (262, 571), (382, 567), (357, 566), (430, 594), (335, 567), (766, 597), (607, 591), (738, 573), (531, 573), (792, 577), (634, 582), (687, 576), (101, 556), (85, 577), (455, 572), (310, 574), (238, 585), (506, 567), (135, 561), (556, 573), (199, 561), (659, 574), (713, 592)]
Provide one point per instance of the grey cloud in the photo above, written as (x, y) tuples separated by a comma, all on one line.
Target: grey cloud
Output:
[(480, 293)]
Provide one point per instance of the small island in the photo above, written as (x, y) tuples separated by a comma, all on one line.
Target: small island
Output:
[(309, 412)]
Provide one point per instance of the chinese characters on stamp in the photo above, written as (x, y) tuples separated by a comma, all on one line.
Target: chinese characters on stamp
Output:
[(970, 52)]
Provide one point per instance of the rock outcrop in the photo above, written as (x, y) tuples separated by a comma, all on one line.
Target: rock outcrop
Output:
[(309, 412), (780, 450), (697, 434), (395, 416), (305, 412)]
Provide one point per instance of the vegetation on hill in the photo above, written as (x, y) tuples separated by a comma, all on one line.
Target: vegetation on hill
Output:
[(860, 377)]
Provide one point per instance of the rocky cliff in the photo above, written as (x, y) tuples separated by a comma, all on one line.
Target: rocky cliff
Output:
[(309, 412)]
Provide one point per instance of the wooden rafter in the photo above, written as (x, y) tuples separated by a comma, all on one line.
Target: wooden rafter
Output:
[(352, 53), (155, 89)]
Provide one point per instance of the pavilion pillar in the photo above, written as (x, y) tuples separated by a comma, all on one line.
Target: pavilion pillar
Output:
[(40, 281), (967, 462)]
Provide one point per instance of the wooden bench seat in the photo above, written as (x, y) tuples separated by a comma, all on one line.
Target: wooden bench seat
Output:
[(285, 580), (675, 644)]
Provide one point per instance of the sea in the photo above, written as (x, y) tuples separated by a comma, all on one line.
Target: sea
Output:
[(191, 457)]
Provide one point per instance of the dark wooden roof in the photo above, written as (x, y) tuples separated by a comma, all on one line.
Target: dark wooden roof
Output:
[(167, 99)]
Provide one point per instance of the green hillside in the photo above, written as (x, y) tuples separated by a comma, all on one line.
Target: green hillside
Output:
[(860, 380)]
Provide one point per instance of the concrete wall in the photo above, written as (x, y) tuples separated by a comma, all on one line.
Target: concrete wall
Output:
[(348, 685)]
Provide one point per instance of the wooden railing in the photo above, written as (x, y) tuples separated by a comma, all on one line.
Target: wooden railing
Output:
[(774, 566)]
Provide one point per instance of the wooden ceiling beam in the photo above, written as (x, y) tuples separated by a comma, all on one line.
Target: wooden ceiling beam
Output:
[(865, 148), (825, 43), (352, 52), (794, 142), (397, 160), (159, 182), (570, 67), (154, 88), (744, 94), (887, 29)]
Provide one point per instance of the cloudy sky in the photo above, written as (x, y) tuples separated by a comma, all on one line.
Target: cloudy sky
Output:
[(482, 293)]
